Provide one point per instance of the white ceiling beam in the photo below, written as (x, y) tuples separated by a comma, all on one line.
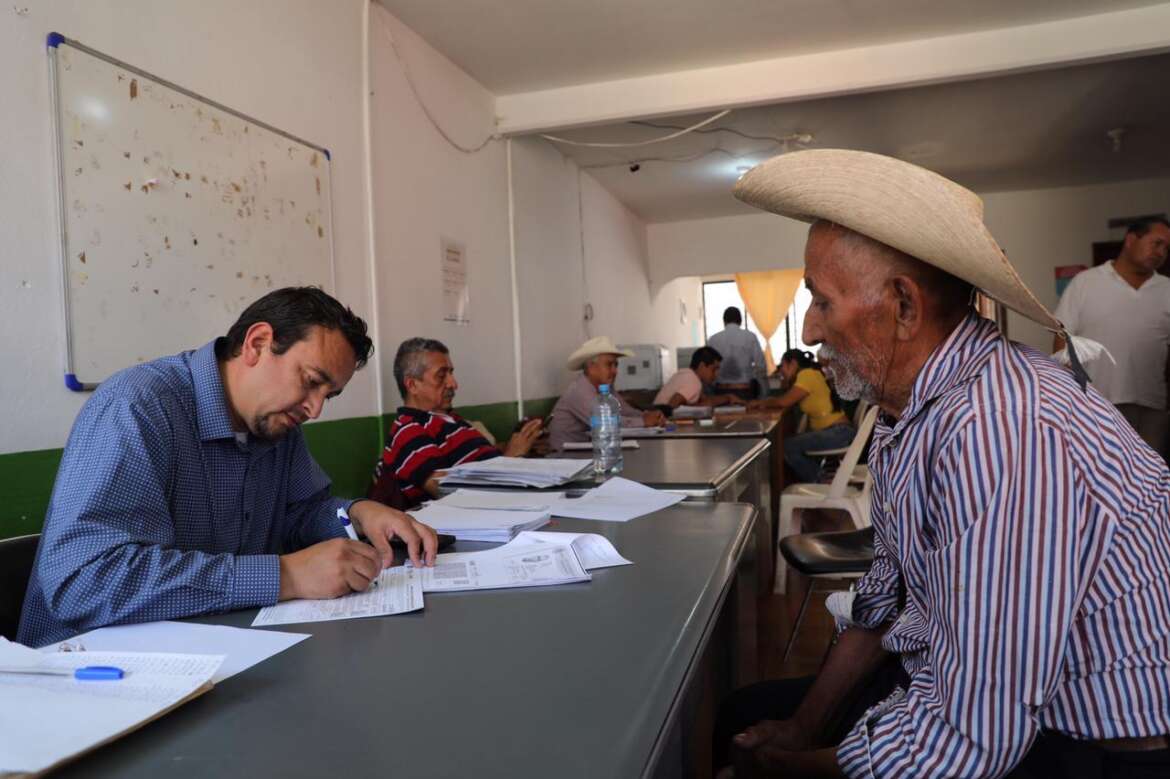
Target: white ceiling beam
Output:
[(924, 61)]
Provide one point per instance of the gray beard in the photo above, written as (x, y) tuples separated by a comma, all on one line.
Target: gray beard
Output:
[(846, 378)]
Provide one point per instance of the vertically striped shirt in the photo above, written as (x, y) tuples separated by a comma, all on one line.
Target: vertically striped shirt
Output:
[(422, 442), (1022, 555)]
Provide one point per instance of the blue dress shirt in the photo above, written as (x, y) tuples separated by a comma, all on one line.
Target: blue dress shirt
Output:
[(160, 511)]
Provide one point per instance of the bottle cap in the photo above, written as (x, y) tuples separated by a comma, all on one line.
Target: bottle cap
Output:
[(604, 388)]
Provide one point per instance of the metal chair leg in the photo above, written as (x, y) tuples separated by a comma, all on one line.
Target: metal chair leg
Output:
[(799, 619)]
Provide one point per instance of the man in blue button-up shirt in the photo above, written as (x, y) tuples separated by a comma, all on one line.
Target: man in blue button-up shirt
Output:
[(186, 487)]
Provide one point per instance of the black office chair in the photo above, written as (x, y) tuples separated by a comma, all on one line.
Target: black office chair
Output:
[(838, 555), (16, 564)]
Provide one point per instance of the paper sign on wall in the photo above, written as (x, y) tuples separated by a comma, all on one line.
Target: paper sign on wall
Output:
[(455, 292)]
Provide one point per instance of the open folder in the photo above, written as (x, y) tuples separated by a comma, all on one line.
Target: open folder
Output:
[(46, 720)]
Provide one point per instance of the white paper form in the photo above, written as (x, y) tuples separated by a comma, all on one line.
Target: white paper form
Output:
[(593, 550), (242, 648), (46, 719), (501, 500), (397, 591), (534, 564), (617, 500)]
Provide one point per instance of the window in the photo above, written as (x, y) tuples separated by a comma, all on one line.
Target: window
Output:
[(718, 295)]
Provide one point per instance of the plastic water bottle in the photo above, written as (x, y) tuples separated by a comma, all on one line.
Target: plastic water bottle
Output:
[(605, 423)]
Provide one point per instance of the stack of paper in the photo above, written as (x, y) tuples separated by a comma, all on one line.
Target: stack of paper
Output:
[(618, 500), (731, 409), (45, 720), (692, 412), (585, 446), (639, 432), (517, 472), (481, 524)]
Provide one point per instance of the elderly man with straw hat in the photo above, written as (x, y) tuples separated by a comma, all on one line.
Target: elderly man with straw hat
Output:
[(1016, 619), (597, 359)]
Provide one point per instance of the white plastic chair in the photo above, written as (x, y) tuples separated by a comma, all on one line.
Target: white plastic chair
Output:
[(836, 495), (860, 471)]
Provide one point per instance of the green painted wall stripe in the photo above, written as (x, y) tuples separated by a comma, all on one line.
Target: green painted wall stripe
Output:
[(346, 449)]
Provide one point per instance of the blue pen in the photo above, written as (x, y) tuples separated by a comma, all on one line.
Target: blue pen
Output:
[(349, 531), (89, 673), (343, 515)]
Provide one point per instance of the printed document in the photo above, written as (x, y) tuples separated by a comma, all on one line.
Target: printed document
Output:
[(45, 720), (242, 648), (395, 591), (515, 564), (617, 500), (593, 550)]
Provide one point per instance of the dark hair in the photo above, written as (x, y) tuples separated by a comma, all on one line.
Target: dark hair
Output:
[(731, 314), (1142, 226), (705, 355), (292, 311), (410, 362), (803, 359)]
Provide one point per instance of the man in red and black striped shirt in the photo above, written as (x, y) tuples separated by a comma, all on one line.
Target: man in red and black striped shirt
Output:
[(427, 436)]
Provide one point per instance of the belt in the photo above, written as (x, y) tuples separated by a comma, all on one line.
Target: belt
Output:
[(1134, 744)]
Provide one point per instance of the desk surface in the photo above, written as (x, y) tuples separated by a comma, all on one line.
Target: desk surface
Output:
[(580, 680), (697, 466)]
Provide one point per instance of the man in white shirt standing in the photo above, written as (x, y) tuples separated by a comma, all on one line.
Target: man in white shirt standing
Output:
[(1125, 305), (743, 359)]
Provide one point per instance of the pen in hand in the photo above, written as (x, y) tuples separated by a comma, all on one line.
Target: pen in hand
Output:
[(343, 515)]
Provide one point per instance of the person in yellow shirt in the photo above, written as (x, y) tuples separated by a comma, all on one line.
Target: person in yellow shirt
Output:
[(828, 426)]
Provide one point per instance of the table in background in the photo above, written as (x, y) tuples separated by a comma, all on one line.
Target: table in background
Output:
[(725, 469), (599, 679), (757, 424)]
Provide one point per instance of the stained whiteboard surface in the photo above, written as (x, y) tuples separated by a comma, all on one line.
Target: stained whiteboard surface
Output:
[(176, 214)]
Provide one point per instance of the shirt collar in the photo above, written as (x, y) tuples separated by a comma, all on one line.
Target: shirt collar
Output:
[(956, 361), (211, 411), (730, 325), (423, 416)]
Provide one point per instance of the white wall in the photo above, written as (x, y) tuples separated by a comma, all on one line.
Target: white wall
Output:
[(1039, 230), (295, 64), (424, 189)]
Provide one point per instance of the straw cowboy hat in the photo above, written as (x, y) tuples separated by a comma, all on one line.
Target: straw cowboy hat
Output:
[(904, 206), (593, 347)]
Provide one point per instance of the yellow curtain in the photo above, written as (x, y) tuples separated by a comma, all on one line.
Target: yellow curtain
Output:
[(768, 295)]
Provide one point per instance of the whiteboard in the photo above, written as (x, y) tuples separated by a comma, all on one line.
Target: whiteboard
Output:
[(176, 213)]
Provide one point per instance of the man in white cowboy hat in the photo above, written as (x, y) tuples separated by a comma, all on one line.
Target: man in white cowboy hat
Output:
[(1016, 617), (597, 359)]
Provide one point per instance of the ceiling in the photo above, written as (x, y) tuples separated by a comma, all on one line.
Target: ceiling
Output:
[(1025, 131), (1036, 129), (514, 46)]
